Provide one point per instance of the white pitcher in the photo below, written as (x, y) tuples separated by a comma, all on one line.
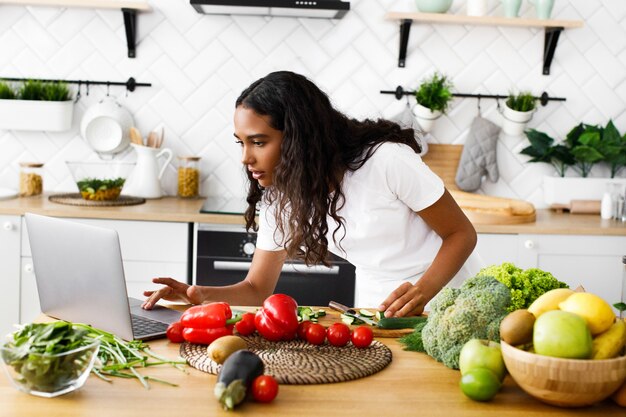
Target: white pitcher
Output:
[(145, 180)]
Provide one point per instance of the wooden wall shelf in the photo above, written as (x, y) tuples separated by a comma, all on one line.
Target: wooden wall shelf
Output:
[(552, 28), (129, 10)]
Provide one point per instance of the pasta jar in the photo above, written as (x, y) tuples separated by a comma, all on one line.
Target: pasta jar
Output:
[(188, 176), (31, 181)]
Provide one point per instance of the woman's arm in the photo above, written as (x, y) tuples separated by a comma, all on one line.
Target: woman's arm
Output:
[(458, 236), (253, 290)]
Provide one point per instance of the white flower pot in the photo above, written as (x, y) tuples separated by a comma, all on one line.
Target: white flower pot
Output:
[(514, 122), (425, 117), (50, 116), (562, 190)]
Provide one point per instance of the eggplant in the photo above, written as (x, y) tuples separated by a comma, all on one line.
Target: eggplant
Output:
[(236, 377)]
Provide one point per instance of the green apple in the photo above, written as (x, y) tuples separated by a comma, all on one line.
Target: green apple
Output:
[(477, 353), (563, 335)]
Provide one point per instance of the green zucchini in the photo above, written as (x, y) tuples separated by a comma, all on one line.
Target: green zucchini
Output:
[(393, 323)]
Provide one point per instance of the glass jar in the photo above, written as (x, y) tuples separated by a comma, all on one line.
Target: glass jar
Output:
[(31, 180), (188, 176)]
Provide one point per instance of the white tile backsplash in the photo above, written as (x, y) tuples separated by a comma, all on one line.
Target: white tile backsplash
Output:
[(198, 65)]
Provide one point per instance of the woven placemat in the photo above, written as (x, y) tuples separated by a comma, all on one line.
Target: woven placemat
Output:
[(75, 199), (297, 362)]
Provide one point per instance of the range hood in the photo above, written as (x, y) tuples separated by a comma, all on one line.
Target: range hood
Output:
[(329, 9)]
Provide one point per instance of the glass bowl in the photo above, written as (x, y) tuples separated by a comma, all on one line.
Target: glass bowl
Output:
[(100, 181), (49, 375)]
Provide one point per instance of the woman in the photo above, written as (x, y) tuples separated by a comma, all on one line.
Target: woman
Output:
[(326, 183)]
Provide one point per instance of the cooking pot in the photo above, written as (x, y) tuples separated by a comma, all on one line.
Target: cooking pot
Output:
[(105, 126)]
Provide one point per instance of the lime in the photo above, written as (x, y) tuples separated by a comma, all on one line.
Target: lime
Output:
[(480, 384)]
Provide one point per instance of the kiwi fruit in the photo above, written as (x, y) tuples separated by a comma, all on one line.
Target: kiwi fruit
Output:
[(517, 327)]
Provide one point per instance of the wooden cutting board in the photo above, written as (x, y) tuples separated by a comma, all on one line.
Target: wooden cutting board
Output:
[(333, 316), (443, 160)]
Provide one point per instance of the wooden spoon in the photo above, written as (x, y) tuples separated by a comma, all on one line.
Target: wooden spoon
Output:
[(135, 136), (153, 139), (160, 141)]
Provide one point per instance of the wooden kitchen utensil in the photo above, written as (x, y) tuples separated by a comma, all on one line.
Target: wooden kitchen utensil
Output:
[(153, 139), (135, 136), (578, 207)]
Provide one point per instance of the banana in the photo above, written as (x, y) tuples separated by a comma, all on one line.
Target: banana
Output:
[(549, 301), (609, 344)]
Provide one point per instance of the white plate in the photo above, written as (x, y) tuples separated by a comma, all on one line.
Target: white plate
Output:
[(7, 193)]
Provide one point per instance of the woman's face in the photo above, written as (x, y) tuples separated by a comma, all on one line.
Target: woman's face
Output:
[(260, 144)]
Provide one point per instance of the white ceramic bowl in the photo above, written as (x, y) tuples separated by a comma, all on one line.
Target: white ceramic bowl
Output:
[(106, 125)]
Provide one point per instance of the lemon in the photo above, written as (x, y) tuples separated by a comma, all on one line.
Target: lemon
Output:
[(549, 301), (596, 312)]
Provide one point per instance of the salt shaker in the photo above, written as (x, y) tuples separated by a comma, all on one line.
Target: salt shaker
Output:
[(606, 205)]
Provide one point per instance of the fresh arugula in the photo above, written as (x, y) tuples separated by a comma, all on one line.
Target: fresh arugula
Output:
[(92, 185)]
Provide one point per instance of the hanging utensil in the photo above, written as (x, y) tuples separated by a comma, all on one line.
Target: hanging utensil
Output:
[(152, 139)]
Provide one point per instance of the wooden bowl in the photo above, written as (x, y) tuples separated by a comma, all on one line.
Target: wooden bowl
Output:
[(564, 382)]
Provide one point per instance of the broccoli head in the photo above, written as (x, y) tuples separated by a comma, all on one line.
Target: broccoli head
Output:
[(525, 285), (473, 311)]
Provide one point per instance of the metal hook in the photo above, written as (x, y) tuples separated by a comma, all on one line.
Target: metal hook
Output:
[(78, 93), (498, 105), (479, 97), (87, 89), (108, 88)]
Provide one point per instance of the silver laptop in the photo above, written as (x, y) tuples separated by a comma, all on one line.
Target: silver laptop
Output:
[(80, 278)]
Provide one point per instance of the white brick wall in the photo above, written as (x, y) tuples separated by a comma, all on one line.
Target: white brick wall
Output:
[(198, 64)]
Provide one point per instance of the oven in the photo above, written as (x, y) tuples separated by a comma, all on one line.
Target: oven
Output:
[(223, 255)]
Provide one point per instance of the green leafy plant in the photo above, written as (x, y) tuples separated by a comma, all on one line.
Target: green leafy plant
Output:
[(435, 93), (523, 102), (584, 142), (6, 91), (44, 91), (543, 149), (613, 147)]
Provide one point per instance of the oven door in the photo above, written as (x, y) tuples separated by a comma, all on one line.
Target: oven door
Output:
[(224, 255)]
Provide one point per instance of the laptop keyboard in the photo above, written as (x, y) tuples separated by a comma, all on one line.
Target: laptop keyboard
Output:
[(143, 326)]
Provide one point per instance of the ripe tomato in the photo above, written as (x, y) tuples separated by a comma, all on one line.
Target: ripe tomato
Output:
[(302, 329), (174, 332), (264, 388), (338, 334), (315, 334), (246, 326), (362, 336)]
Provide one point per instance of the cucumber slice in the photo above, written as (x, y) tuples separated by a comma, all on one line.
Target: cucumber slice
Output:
[(366, 313), (321, 313), (380, 315)]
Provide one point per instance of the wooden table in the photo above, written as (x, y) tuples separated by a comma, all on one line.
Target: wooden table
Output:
[(413, 384)]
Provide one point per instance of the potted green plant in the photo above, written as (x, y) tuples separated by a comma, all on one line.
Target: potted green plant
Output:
[(517, 112), (36, 105), (583, 147), (433, 97)]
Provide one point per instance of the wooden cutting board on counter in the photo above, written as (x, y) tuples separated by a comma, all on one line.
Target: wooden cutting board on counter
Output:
[(333, 316), (480, 209)]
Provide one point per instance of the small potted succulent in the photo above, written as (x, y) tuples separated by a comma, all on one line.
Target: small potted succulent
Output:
[(36, 105), (433, 97), (518, 110)]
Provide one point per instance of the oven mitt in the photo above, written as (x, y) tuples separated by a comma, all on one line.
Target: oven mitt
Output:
[(406, 120), (479, 155)]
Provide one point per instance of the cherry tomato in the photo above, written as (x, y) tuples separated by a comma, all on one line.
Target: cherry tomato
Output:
[(245, 326), (338, 334), (264, 388), (362, 336), (302, 329), (315, 334), (174, 332)]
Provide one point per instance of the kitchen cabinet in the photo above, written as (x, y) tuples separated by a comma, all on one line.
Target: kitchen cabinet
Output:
[(149, 249), (552, 28), (595, 262), (9, 272)]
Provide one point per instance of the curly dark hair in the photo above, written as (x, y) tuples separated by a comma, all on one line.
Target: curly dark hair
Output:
[(319, 145)]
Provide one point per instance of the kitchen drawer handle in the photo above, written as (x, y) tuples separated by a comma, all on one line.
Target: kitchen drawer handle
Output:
[(8, 226), (529, 244), (245, 266)]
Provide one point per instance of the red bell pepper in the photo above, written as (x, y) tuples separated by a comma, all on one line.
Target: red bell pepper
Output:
[(278, 319), (206, 316), (205, 336)]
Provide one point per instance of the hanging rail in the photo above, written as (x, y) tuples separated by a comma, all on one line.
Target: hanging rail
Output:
[(130, 84), (543, 98)]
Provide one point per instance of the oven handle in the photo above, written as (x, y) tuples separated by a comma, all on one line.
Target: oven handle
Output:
[(288, 267)]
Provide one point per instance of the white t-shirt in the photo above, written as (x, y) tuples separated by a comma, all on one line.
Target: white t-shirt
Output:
[(385, 239)]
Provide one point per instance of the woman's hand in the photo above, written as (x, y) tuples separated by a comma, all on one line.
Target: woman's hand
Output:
[(406, 300), (174, 291)]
